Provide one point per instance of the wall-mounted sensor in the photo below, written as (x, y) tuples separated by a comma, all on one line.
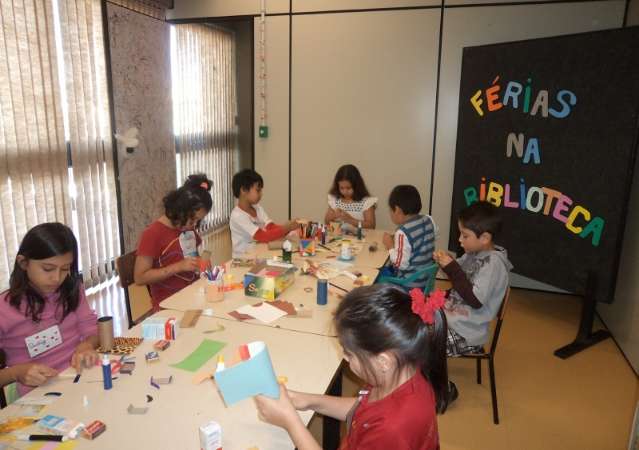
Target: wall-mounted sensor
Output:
[(128, 140)]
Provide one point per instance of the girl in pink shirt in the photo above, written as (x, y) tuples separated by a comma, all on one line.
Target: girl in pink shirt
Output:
[(45, 321)]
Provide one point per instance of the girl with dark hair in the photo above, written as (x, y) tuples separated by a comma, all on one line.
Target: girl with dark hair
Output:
[(349, 201), (46, 324), (167, 255), (396, 343)]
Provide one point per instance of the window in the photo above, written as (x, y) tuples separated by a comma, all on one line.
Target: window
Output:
[(56, 160), (204, 111)]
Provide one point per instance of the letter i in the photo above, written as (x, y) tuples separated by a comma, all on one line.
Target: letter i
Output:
[(522, 194), (527, 96), (482, 189)]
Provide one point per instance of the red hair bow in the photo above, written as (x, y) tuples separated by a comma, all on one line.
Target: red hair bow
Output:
[(425, 307), (204, 185)]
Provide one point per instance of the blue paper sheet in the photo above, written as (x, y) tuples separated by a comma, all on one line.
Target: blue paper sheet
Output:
[(248, 378)]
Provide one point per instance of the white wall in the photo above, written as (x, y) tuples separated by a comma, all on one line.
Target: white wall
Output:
[(271, 154), (374, 109), (622, 316)]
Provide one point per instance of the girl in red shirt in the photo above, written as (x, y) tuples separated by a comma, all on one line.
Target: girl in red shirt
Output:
[(396, 342), (167, 255)]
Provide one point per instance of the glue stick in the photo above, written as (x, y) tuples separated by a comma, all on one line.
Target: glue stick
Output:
[(106, 372)]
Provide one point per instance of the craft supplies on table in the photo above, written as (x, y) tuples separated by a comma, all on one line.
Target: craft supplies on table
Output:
[(268, 281)]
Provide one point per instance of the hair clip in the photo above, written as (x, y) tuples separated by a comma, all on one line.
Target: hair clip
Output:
[(425, 307), (204, 185)]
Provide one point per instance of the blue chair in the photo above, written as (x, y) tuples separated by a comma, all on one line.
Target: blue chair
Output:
[(429, 272)]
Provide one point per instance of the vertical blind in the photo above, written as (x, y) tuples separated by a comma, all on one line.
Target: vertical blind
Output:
[(203, 65), (89, 133), (33, 155), (56, 161)]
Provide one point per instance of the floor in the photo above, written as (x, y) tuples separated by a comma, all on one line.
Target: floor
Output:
[(584, 402)]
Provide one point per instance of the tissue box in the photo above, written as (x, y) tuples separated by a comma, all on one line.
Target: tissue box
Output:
[(268, 281)]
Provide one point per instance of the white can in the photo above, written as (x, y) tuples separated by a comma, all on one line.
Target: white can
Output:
[(345, 253), (211, 436)]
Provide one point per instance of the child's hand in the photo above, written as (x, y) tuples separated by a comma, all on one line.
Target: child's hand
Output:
[(330, 215), (279, 412), (340, 214), (33, 374), (84, 356), (291, 225), (442, 258), (188, 264), (388, 240), (299, 400)]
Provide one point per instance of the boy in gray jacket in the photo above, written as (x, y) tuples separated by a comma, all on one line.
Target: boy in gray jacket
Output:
[(479, 279)]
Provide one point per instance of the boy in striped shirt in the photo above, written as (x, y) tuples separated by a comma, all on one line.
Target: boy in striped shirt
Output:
[(411, 248)]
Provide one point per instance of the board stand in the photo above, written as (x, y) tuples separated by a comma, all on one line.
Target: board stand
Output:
[(585, 337)]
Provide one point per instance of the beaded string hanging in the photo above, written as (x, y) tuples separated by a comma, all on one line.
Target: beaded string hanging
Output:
[(263, 130)]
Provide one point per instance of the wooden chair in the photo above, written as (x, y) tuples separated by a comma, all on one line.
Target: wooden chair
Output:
[(490, 355), (138, 298)]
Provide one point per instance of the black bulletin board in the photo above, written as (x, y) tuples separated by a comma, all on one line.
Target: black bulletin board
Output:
[(570, 107)]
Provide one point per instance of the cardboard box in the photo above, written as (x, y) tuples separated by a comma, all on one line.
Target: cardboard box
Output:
[(268, 281)]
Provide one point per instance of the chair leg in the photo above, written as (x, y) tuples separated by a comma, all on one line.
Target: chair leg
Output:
[(478, 370), (493, 391)]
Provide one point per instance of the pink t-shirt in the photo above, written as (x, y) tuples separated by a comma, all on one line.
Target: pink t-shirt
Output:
[(15, 327)]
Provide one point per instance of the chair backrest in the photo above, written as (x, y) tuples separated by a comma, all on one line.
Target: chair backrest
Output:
[(500, 318), (428, 272), (125, 265), (138, 299)]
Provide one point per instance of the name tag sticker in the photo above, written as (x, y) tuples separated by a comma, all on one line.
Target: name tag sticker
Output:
[(43, 341)]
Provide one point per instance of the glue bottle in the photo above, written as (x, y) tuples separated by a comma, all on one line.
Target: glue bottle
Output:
[(345, 253), (106, 372), (359, 230), (287, 251)]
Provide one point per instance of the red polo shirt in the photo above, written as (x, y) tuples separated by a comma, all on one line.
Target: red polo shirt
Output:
[(162, 243), (404, 420)]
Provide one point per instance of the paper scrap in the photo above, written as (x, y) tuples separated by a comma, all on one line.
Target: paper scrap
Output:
[(263, 312), (164, 380), (215, 330), (68, 445), (200, 377), (238, 316), (16, 423), (137, 410), (205, 351), (190, 318), (285, 306)]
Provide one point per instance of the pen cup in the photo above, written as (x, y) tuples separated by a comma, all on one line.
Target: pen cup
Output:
[(215, 291), (105, 333), (307, 247)]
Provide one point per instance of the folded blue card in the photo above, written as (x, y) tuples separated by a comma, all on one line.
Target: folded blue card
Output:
[(248, 378)]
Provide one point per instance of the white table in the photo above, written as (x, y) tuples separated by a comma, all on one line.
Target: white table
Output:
[(177, 410), (321, 321)]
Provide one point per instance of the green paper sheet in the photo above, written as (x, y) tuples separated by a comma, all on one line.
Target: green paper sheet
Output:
[(205, 351)]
